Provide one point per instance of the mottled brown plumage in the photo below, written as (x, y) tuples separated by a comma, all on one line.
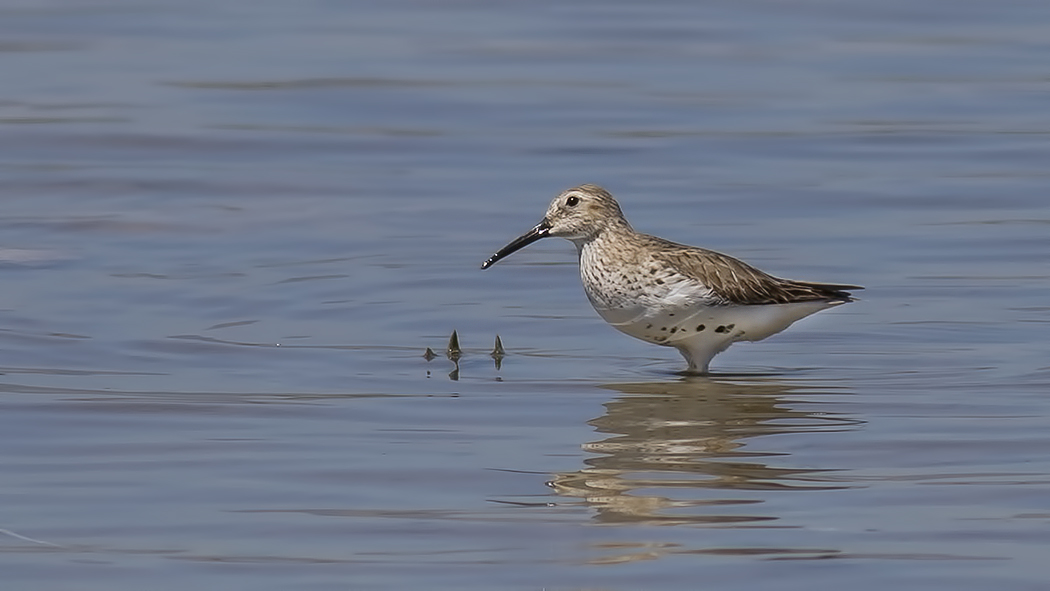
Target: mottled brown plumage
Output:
[(696, 300), (737, 282)]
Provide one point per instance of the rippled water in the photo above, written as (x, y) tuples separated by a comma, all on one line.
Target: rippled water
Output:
[(230, 230)]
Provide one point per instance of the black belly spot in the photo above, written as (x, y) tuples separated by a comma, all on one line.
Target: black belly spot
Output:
[(648, 326), (663, 328), (659, 281), (725, 328), (720, 329), (700, 328)]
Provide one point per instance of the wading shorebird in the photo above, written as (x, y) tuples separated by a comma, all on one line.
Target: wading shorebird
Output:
[(696, 300)]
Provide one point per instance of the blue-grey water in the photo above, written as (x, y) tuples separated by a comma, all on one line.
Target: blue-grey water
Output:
[(229, 230)]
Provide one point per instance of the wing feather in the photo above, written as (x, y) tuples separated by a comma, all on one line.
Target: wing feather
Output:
[(737, 282)]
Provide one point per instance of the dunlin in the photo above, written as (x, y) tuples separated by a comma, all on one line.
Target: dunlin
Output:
[(696, 300)]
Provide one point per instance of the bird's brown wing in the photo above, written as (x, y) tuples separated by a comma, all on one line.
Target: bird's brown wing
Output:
[(736, 282)]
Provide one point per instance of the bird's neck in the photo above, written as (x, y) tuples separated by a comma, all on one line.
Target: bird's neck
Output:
[(609, 232)]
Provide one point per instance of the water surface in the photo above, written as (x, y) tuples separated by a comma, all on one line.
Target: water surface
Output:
[(230, 230)]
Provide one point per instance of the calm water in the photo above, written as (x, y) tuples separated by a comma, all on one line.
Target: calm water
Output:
[(228, 231)]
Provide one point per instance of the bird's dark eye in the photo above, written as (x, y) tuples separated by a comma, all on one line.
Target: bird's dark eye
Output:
[(572, 201)]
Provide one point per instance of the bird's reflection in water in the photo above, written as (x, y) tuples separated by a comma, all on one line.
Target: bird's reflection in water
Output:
[(679, 453)]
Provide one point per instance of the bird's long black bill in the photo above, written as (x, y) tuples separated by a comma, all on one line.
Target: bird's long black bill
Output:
[(541, 230)]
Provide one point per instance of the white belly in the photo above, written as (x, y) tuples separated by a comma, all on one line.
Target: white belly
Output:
[(668, 326), (701, 332)]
